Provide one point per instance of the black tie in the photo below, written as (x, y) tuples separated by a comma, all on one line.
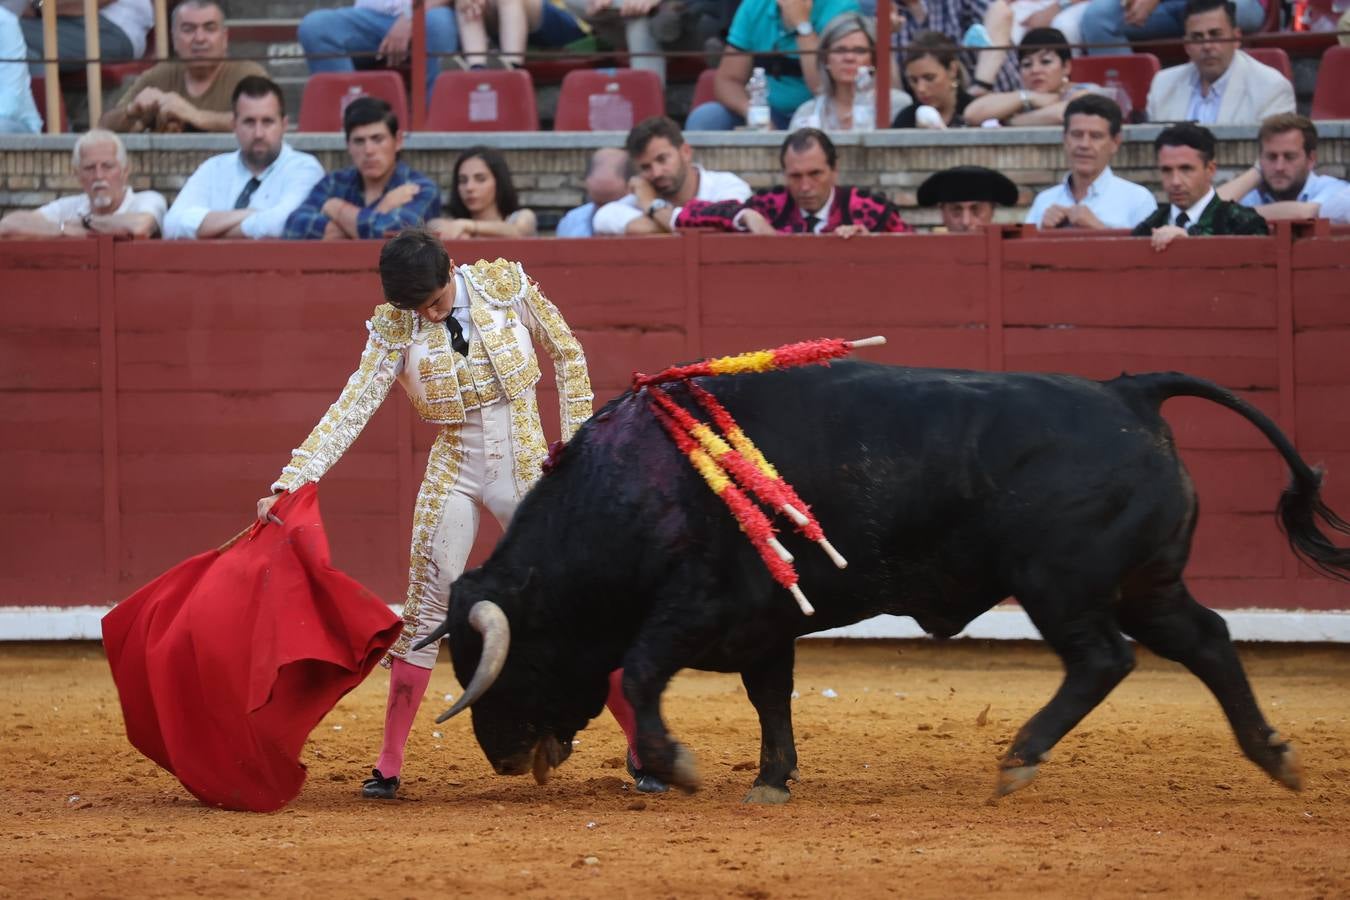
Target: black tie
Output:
[(1183, 220), (246, 194), (811, 223), (457, 341)]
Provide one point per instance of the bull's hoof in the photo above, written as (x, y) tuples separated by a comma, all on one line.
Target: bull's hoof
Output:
[(1014, 778), (1288, 768), (768, 795), (684, 773)]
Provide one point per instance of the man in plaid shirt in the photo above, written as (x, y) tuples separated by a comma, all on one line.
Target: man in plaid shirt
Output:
[(378, 196)]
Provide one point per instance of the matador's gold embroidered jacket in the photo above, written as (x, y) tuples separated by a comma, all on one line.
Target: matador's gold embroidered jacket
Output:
[(507, 309)]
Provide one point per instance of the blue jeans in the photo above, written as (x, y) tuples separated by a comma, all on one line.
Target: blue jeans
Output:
[(352, 30), (1104, 23), (713, 116)]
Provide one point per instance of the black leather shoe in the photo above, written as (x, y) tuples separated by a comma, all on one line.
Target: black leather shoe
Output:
[(377, 787), (646, 784)]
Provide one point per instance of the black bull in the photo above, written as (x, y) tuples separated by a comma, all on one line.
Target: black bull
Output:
[(947, 491)]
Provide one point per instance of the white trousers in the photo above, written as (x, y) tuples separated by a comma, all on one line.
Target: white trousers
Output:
[(488, 462)]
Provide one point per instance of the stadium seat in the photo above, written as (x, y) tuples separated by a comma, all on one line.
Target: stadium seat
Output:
[(703, 88), (1331, 98), (1274, 57), (40, 98), (483, 100), (324, 99), (608, 99), (1135, 70)]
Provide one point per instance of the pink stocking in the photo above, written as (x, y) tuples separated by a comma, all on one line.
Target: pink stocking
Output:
[(407, 685), (623, 713)]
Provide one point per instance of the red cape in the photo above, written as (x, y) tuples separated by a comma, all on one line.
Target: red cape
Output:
[(225, 663)]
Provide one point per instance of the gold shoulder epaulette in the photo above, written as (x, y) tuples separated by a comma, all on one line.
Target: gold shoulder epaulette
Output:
[(394, 326), (501, 282)]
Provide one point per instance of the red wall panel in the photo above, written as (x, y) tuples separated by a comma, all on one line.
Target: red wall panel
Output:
[(167, 390)]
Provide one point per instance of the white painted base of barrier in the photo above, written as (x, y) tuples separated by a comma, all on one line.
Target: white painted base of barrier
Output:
[(55, 623)]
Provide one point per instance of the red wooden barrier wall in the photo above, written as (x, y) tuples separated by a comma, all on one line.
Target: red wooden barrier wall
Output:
[(150, 391)]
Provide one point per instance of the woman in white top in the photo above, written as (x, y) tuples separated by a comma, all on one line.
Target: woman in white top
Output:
[(847, 43), (483, 202)]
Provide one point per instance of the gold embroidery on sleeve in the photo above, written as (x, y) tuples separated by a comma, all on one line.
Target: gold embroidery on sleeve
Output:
[(527, 438), (549, 329)]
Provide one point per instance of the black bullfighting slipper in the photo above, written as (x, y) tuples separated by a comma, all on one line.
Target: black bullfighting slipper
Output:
[(377, 787), (646, 784)]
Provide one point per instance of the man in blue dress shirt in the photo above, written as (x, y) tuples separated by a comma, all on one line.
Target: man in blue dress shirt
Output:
[(1282, 184), (1092, 196), (378, 196)]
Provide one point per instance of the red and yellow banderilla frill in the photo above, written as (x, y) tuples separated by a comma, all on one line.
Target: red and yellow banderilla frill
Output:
[(731, 464)]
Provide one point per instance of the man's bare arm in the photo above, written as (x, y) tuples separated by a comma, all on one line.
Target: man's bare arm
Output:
[(343, 214), (139, 225), (28, 224)]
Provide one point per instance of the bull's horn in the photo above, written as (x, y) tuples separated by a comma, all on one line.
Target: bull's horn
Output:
[(488, 620), (441, 631)]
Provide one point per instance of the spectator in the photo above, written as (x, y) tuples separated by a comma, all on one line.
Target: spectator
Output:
[(1221, 85), (1186, 164), (108, 204), (1092, 196), (1113, 23), (642, 27), (483, 201), (934, 73), (378, 196), (1282, 184), (667, 179), (122, 26), (517, 22), (994, 69), (18, 112), (1044, 62), (811, 202), (1065, 16), (768, 26), (247, 193), (193, 93), (966, 196), (606, 181), (330, 37), (849, 42)]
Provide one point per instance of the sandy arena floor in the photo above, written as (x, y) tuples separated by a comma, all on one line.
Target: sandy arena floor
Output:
[(1148, 796)]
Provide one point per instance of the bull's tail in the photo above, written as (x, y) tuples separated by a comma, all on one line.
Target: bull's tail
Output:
[(1300, 507)]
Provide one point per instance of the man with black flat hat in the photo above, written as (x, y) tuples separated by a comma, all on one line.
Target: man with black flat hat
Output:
[(967, 195)]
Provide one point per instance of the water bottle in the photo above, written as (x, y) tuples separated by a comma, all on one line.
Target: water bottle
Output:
[(1115, 89), (864, 101), (353, 93), (757, 115)]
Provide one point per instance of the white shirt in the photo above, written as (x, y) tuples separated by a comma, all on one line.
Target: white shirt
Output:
[(1315, 190), (613, 218), (1193, 213), (135, 18), (1205, 108), (77, 205), (217, 183), (1117, 202), (823, 214), (1337, 207)]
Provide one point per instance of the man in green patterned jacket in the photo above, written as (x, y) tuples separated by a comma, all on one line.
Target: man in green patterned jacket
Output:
[(1186, 166)]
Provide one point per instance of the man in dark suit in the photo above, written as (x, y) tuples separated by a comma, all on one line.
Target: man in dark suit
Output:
[(1186, 166)]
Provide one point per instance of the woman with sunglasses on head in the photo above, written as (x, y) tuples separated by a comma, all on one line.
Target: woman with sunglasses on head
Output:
[(1044, 61), (847, 43), (483, 202)]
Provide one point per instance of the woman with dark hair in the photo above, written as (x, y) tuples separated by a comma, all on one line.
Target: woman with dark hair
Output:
[(937, 81), (1044, 61), (483, 201)]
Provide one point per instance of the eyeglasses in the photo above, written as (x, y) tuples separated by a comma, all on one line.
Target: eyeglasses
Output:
[(850, 51)]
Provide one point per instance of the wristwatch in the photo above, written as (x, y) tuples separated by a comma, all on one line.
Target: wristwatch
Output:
[(805, 28), (657, 205)]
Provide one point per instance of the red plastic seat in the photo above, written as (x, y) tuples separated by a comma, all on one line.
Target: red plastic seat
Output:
[(321, 105), (1331, 97), (703, 88), (40, 98), (1274, 57), (1135, 71), (483, 100), (608, 99)]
